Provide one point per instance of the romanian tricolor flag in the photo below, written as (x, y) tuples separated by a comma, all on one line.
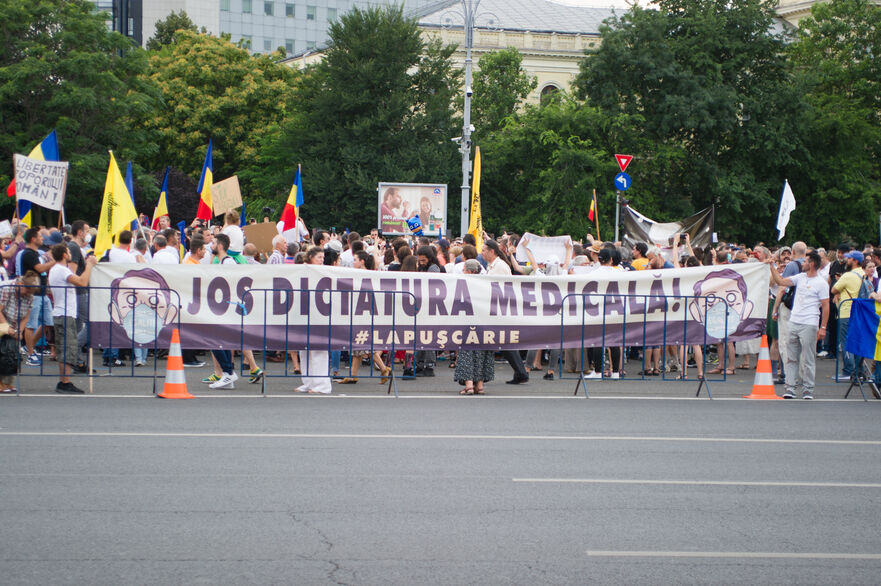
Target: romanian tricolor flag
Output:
[(287, 225), (475, 224), (130, 185), (161, 208), (863, 335), (593, 207), (47, 150), (206, 205)]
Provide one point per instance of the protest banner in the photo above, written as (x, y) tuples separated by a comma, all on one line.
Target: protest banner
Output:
[(543, 248), (295, 305), (5, 229), (226, 195), (41, 182), (639, 228), (398, 202), (261, 235)]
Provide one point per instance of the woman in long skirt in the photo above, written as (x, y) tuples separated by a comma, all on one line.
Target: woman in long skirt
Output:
[(473, 368)]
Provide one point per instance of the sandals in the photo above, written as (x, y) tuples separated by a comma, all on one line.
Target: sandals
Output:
[(479, 392), (720, 371), (682, 376), (650, 372), (385, 374), (467, 391), (349, 381)]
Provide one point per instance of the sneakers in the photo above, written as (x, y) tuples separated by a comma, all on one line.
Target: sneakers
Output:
[(822, 354), (196, 364), (615, 376), (34, 360), (789, 395), (225, 382), (140, 363), (210, 379), (424, 372), (116, 362), (594, 374), (548, 376), (256, 375), (808, 395), (68, 389)]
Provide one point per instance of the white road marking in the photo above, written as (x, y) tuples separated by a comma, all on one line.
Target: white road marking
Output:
[(774, 484), (736, 555), (424, 436)]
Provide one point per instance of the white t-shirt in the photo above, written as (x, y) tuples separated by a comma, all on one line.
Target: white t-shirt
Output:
[(808, 295), (120, 255), (498, 267), (166, 256), (236, 238), (63, 299), (347, 259)]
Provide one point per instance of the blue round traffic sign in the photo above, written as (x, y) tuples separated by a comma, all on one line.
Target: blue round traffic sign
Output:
[(622, 181)]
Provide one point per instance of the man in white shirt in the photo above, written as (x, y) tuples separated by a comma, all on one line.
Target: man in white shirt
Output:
[(164, 255), (347, 258), (811, 305), (120, 253), (62, 282), (279, 246)]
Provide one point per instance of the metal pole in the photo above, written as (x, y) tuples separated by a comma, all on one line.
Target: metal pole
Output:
[(469, 7), (617, 213)]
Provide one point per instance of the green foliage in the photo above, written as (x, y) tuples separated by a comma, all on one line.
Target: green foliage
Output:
[(540, 170), (720, 113), (212, 89), (836, 56), (167, 27), (500, 87), (61, 68), (377, 108)]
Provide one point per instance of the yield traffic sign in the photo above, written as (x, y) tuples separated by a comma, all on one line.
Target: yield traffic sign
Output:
[(623, 161), (622, 181)]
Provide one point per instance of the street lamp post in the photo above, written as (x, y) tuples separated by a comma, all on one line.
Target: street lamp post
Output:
[(469, 8)]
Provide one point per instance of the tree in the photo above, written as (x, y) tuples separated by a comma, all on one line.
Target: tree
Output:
[(835, 53), (540, 169), (168, 27), (212, 89), (60, 68), (500, 87), (379, 107), (710, 81)]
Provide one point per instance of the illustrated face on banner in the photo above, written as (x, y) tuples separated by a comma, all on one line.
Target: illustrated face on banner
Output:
[(727, 304), (140, 304)]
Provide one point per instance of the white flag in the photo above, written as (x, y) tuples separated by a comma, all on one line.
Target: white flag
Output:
[(787, 205)]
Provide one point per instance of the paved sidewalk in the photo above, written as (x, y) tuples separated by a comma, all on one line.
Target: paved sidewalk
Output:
[(121, 382)]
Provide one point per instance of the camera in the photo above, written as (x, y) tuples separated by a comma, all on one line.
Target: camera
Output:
[(468, 91), (683, 235)]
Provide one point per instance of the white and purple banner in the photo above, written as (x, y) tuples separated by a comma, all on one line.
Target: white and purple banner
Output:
[(294, 306)]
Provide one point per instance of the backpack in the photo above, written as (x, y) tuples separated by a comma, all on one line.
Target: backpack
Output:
[(866, 289), (789, 295), (8, 356)]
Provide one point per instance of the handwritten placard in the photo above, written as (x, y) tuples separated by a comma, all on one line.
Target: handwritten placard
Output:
[(226, 195), (41, 182)]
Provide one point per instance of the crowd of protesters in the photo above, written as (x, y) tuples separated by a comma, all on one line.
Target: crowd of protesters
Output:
[(52, 323)]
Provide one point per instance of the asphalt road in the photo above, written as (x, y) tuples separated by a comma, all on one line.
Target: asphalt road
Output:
[(330, 490)]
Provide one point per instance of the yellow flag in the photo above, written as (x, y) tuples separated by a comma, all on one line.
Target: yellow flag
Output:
[(117, 210), (475, 224)]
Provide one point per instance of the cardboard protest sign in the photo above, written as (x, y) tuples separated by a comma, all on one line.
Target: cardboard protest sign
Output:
[(226, 195), (543, 247), (261, 235), (41, 182), (5, 229)]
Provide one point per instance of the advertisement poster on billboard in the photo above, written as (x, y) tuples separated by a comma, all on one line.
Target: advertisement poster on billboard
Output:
[(398, 202)]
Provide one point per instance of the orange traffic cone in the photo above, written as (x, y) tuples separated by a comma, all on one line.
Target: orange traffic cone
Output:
[(763, 384), (175, 381)]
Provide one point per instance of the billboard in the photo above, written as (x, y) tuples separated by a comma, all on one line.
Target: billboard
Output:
[(398, 202)]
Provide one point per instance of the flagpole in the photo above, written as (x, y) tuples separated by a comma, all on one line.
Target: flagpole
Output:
[(596, 214)]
